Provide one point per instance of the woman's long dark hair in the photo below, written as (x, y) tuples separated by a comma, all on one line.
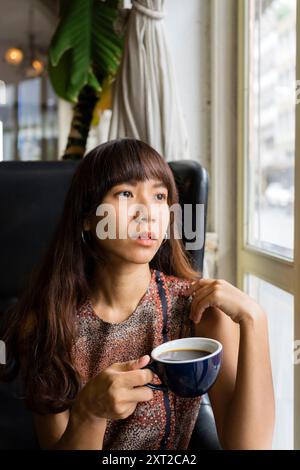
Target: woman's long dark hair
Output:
[(40, 330)]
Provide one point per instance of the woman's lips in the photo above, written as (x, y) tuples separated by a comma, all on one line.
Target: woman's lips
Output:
[(146, 239)]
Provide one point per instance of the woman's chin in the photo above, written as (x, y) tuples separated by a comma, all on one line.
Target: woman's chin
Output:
[(134, 251), (141, 258), (139, 255)]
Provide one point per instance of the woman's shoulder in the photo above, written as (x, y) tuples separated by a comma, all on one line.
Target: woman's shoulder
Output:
[(179, 304), (177, 286)]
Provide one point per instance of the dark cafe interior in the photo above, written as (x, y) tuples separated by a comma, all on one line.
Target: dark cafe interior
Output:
[(150, 225)]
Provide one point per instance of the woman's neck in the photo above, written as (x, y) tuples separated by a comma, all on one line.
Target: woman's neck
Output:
[(117, 290)]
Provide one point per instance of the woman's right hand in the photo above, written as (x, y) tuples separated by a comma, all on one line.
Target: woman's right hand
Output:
[(115, 392)]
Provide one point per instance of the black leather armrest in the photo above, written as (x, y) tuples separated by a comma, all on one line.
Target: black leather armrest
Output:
[(205, 436), (16, 423)]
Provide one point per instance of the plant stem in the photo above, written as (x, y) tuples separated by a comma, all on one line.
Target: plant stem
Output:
[(81, 122)]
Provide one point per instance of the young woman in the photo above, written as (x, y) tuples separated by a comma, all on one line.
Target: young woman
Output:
[(97, 305)]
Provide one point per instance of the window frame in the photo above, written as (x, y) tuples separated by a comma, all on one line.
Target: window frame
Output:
[(280, 272)]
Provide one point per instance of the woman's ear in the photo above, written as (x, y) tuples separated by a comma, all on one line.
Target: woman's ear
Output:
[(86, 225)]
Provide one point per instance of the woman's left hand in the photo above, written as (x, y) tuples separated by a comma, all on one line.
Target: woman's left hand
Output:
[(220, 293)]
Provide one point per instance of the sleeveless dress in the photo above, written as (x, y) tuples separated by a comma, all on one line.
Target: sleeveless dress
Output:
[(166, 421)]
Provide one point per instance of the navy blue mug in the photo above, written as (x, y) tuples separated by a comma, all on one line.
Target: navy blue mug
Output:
[(189, 377)]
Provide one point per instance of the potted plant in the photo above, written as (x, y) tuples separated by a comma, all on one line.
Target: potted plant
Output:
[(84, 56)]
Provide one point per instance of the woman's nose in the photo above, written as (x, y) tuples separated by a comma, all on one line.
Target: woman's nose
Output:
[(141, 217), (147, 214)]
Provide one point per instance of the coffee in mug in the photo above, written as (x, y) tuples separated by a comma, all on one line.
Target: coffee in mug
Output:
[(182, 354), (188, 367)]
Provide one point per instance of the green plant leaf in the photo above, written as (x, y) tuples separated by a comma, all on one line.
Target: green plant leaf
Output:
[(85, 48)]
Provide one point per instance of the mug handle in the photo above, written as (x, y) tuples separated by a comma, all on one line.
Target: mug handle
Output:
[(162, 387)]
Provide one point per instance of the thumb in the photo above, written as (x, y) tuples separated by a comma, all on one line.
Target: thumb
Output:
[(189, 289), (133, 364)]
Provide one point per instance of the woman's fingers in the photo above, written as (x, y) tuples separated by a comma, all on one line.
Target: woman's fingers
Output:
[(228, 298), (140, 394), (137, 378), (200, 293), (199, 284), (199, 290), (134, 364), (201, 302), (133, 385)]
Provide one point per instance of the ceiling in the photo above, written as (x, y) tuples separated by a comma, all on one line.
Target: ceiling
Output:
[(14, 21), (14, 29)]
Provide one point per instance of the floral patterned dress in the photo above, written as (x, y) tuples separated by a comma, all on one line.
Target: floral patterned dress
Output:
[(166, 421)]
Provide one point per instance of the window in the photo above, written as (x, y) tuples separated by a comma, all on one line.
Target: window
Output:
[(268, 258), (29, 117), (279, 307), (271, 125)]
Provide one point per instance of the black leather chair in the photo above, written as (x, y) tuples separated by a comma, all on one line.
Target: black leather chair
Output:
[(31, 201)]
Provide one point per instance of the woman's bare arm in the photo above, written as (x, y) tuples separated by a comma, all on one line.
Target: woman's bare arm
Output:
[(73, 429), (243, 395), (112, 394), (70, 430)]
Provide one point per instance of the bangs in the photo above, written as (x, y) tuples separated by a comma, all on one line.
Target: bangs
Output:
[(128, 160), (136, 162)]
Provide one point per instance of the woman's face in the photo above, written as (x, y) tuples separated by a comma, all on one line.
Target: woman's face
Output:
[(132, 220)]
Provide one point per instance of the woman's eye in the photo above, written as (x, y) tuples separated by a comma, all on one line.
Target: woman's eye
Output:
[(164, 196), (127, 194), (124, 192)]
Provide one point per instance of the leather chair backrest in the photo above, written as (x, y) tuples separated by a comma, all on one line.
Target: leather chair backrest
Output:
[(31, 200)]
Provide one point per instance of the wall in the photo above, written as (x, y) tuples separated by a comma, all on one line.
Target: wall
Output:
[(188, 31), (188, 34), (223, 194)]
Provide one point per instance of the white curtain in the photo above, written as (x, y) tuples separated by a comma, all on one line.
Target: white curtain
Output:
[(145, 100)]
